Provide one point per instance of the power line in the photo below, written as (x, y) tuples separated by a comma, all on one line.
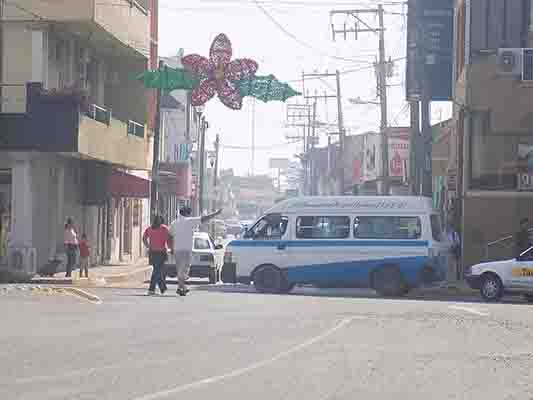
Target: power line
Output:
[(299, 41), (350, 71)]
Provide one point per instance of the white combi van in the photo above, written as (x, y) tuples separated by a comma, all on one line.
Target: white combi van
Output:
[(390, 244)]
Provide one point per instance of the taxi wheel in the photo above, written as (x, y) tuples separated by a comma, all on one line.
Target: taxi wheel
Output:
[(491, 287), (269, 279)]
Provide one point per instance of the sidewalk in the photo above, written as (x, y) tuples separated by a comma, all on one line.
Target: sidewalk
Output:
[(103, 275)]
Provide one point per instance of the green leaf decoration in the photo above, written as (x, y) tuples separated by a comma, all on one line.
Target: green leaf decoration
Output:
[(168, 79), (266, 88)]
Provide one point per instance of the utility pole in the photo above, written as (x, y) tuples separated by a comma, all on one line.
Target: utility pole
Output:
[(252, 169), (299, 115), (341, 132), (201, 173), (382, 85), (311, 159), (340, 121), (154, 187), (215, 177), (381, 76), (414, 178)]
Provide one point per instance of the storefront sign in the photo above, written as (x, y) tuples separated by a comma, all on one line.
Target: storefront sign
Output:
[(399, 152)]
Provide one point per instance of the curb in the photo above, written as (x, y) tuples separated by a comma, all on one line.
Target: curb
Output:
[(139, 275), (447, 291), (83, 294)]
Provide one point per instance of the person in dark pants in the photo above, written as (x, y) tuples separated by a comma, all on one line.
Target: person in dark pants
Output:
[(521, 238), (70, 240), (158, 240)]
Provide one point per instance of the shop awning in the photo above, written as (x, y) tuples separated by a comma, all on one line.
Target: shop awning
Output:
[(122, 184)]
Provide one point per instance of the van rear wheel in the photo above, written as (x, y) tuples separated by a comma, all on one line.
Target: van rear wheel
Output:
[(269, 279), (388, 281)]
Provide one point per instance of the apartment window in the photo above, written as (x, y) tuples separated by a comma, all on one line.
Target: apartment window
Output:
[(499, 160), (497, 23), (323, 227), (387, 227)]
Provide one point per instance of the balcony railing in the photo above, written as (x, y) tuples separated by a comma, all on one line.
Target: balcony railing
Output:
[(134, 128), (99, 114)]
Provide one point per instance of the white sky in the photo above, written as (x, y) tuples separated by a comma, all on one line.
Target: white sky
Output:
[(193, 25)]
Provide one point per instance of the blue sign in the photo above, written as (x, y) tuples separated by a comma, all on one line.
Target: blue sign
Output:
[(430, 49)]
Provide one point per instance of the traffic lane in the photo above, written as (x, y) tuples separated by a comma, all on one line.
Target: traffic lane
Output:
[(105, 353), (247, 330)]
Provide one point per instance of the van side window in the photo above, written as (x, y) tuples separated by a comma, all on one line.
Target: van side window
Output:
[(265, 230), (436, 228), (387, 227), (322, 227)]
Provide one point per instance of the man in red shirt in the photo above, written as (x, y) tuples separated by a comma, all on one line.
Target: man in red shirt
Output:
[(158, 240)]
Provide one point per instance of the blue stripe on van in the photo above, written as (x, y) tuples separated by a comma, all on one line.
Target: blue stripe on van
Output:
[(355, 272), (329, 243)]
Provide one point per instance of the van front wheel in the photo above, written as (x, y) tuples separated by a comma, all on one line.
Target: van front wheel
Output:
[(388, 282), (269, 279)]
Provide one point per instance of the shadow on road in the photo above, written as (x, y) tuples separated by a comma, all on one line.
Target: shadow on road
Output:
[(309, 291)]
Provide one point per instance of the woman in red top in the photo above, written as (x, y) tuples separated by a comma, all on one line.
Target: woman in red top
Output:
[(157, 239)]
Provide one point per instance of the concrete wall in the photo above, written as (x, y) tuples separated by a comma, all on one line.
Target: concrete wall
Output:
[(508, 100), (112, 143), (490, 217), (119, 18), (73, 10), (127, 23)]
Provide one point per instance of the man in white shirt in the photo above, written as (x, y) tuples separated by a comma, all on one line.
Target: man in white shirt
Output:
[(182, 231)]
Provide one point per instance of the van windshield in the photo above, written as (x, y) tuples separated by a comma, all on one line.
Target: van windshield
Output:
[(265, 229), (387, 227)]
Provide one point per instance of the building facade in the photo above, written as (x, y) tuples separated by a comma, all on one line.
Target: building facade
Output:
[(74, 139), (493, 122)]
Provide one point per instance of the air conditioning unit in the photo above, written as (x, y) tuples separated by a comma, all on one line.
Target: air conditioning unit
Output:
[(510, 62), (516, 62)]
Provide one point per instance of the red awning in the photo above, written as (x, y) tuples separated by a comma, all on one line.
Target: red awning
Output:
[(121, 184)]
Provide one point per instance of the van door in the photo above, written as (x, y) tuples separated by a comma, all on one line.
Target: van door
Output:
[(267, 242), (318, 254), (441, 250)]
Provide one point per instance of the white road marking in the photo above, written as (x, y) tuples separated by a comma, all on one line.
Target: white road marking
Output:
[(470, 310), (242, 371)]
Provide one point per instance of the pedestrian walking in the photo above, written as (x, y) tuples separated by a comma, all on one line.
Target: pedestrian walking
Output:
[(158, 241), (182, 231), (70, 240), (455, 243), (521, 238), (84, 256)]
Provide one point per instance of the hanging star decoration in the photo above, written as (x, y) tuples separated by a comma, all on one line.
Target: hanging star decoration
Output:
[(231, 80)]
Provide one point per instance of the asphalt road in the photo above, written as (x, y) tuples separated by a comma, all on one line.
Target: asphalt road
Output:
[(220, 344)]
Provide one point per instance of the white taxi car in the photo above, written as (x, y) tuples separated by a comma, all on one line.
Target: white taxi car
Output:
[(494, 279), (205, 261)]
